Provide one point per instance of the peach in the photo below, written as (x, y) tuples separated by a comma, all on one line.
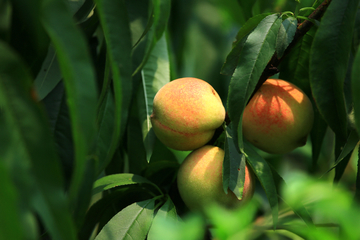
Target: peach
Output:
[(200, 183), (186, 113), (278, 118)]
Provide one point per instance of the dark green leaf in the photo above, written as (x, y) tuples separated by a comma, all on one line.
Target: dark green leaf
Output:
[(58, 114), (351, 142), (263, 172), (117, 180), (5, 20), (10, 220), (49, 75), (106, 118), (115, 24), (44, 186), (256, 53), (233, 167), (79, 79), (233, 57), (286, 35), (133, 222), (355, 86), (328, 62)]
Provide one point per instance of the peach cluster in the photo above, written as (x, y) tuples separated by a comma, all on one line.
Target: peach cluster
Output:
[(186, 113)]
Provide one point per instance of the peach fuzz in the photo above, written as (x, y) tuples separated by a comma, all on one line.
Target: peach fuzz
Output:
[(200, 180), (186, 113), (278, 118)]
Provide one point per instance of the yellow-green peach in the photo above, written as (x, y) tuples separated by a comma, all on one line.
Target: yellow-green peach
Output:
[(200, 182), (186, 113), (278, 118)]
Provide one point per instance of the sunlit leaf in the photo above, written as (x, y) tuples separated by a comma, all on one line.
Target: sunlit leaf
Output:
[(256, 53), (155, 74), (117, 180)]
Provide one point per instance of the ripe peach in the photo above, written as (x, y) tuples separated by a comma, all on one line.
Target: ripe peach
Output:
[(278, 118), (200, 183), (186, 113)]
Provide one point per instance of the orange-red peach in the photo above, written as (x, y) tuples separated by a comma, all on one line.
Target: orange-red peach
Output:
[(200, 182), (186, 113), (278, 118)]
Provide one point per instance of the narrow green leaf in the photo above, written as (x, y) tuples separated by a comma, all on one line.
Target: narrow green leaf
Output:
[(133, 222), (106, 125), (79, 79), (135, 144), (60, 125), (351, 142), (295, 66), (355, 87), (233, 167), (286, 35), (256, 53), (155, 74), (117, 180), (35, 146), (233, 57), (328, 62), (263, 172), (165, 213), (160, 16), (49, 75), (115, 24)]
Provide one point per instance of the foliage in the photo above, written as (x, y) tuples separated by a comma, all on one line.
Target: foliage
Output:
[(79, 158)]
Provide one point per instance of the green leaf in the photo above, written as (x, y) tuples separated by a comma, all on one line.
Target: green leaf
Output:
[(133, 222), (106, 125), (79, 79), (117, 180), (115, 24), (159, 17), (59, 119), (286, 35), (233, 167), (328, 62), (263, 172), (10, 220), (49, 75), (192, 228), (256, 53), (135, 144), (155, 74), (44, 186), (351, 142), (295, 66), (165, 213), (355, 87), (233, 57)]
